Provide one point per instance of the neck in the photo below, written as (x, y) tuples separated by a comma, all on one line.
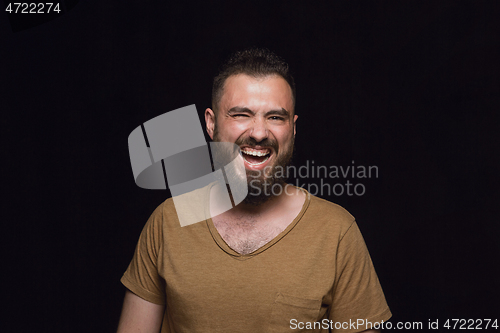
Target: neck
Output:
[(259, 209), (272, 205)]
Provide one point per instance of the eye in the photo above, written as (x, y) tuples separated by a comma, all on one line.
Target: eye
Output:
[(239, 115), (278, 118)]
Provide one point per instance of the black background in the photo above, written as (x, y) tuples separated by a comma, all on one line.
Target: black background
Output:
[(411, 87)]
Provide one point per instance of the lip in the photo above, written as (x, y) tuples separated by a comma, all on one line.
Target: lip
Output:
[(256, 147), (260, 166)]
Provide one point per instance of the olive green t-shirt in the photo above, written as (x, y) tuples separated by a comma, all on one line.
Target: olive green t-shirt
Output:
[(317, 270)]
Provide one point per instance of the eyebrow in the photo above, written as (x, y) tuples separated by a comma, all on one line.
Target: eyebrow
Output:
[(239, 109)]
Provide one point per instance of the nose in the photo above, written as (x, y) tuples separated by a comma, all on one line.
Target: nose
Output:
[(259, 129)]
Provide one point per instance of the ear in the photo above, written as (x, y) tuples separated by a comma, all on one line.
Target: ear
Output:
[(294, 127), (210, 122)]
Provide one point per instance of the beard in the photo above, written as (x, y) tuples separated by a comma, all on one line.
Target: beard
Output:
[(261, 183)]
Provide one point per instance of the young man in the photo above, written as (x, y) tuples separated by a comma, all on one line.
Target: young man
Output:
[(280, 261)]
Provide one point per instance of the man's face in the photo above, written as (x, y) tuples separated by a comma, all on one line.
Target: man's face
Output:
[(256, 114)]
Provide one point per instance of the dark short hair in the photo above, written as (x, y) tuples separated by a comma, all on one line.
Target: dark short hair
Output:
[(255, 62)]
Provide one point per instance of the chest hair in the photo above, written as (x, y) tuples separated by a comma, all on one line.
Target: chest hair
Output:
[(244, 235)]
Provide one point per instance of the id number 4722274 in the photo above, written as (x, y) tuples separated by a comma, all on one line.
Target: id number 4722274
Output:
[(471, 324), (32, 7)]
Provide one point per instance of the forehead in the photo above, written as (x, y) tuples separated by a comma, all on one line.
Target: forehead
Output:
[(256, 93)]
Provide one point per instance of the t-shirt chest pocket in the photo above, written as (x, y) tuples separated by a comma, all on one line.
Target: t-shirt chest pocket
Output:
[(287, 308)]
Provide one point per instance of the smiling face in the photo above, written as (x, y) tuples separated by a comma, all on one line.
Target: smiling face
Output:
[(257, 114)]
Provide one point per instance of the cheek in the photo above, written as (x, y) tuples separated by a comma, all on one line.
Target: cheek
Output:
[(235, 129), (287, 136), (286, 143)]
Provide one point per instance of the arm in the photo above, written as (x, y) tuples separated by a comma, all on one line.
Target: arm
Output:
[(139, 315)]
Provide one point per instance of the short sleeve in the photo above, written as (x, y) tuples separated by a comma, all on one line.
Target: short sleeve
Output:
[(357, 294), (142, 277)]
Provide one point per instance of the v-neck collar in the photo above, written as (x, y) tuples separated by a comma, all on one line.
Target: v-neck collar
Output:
[(226, 248)]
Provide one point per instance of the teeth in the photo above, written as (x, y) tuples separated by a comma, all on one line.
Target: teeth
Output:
[(255, 153), (257, 163)]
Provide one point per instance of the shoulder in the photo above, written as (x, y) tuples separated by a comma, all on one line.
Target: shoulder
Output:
[(188, 207), (330, 210), (328, 215), (163, 216)]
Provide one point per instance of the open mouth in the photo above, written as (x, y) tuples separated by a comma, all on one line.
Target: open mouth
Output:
[(255, 157)]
